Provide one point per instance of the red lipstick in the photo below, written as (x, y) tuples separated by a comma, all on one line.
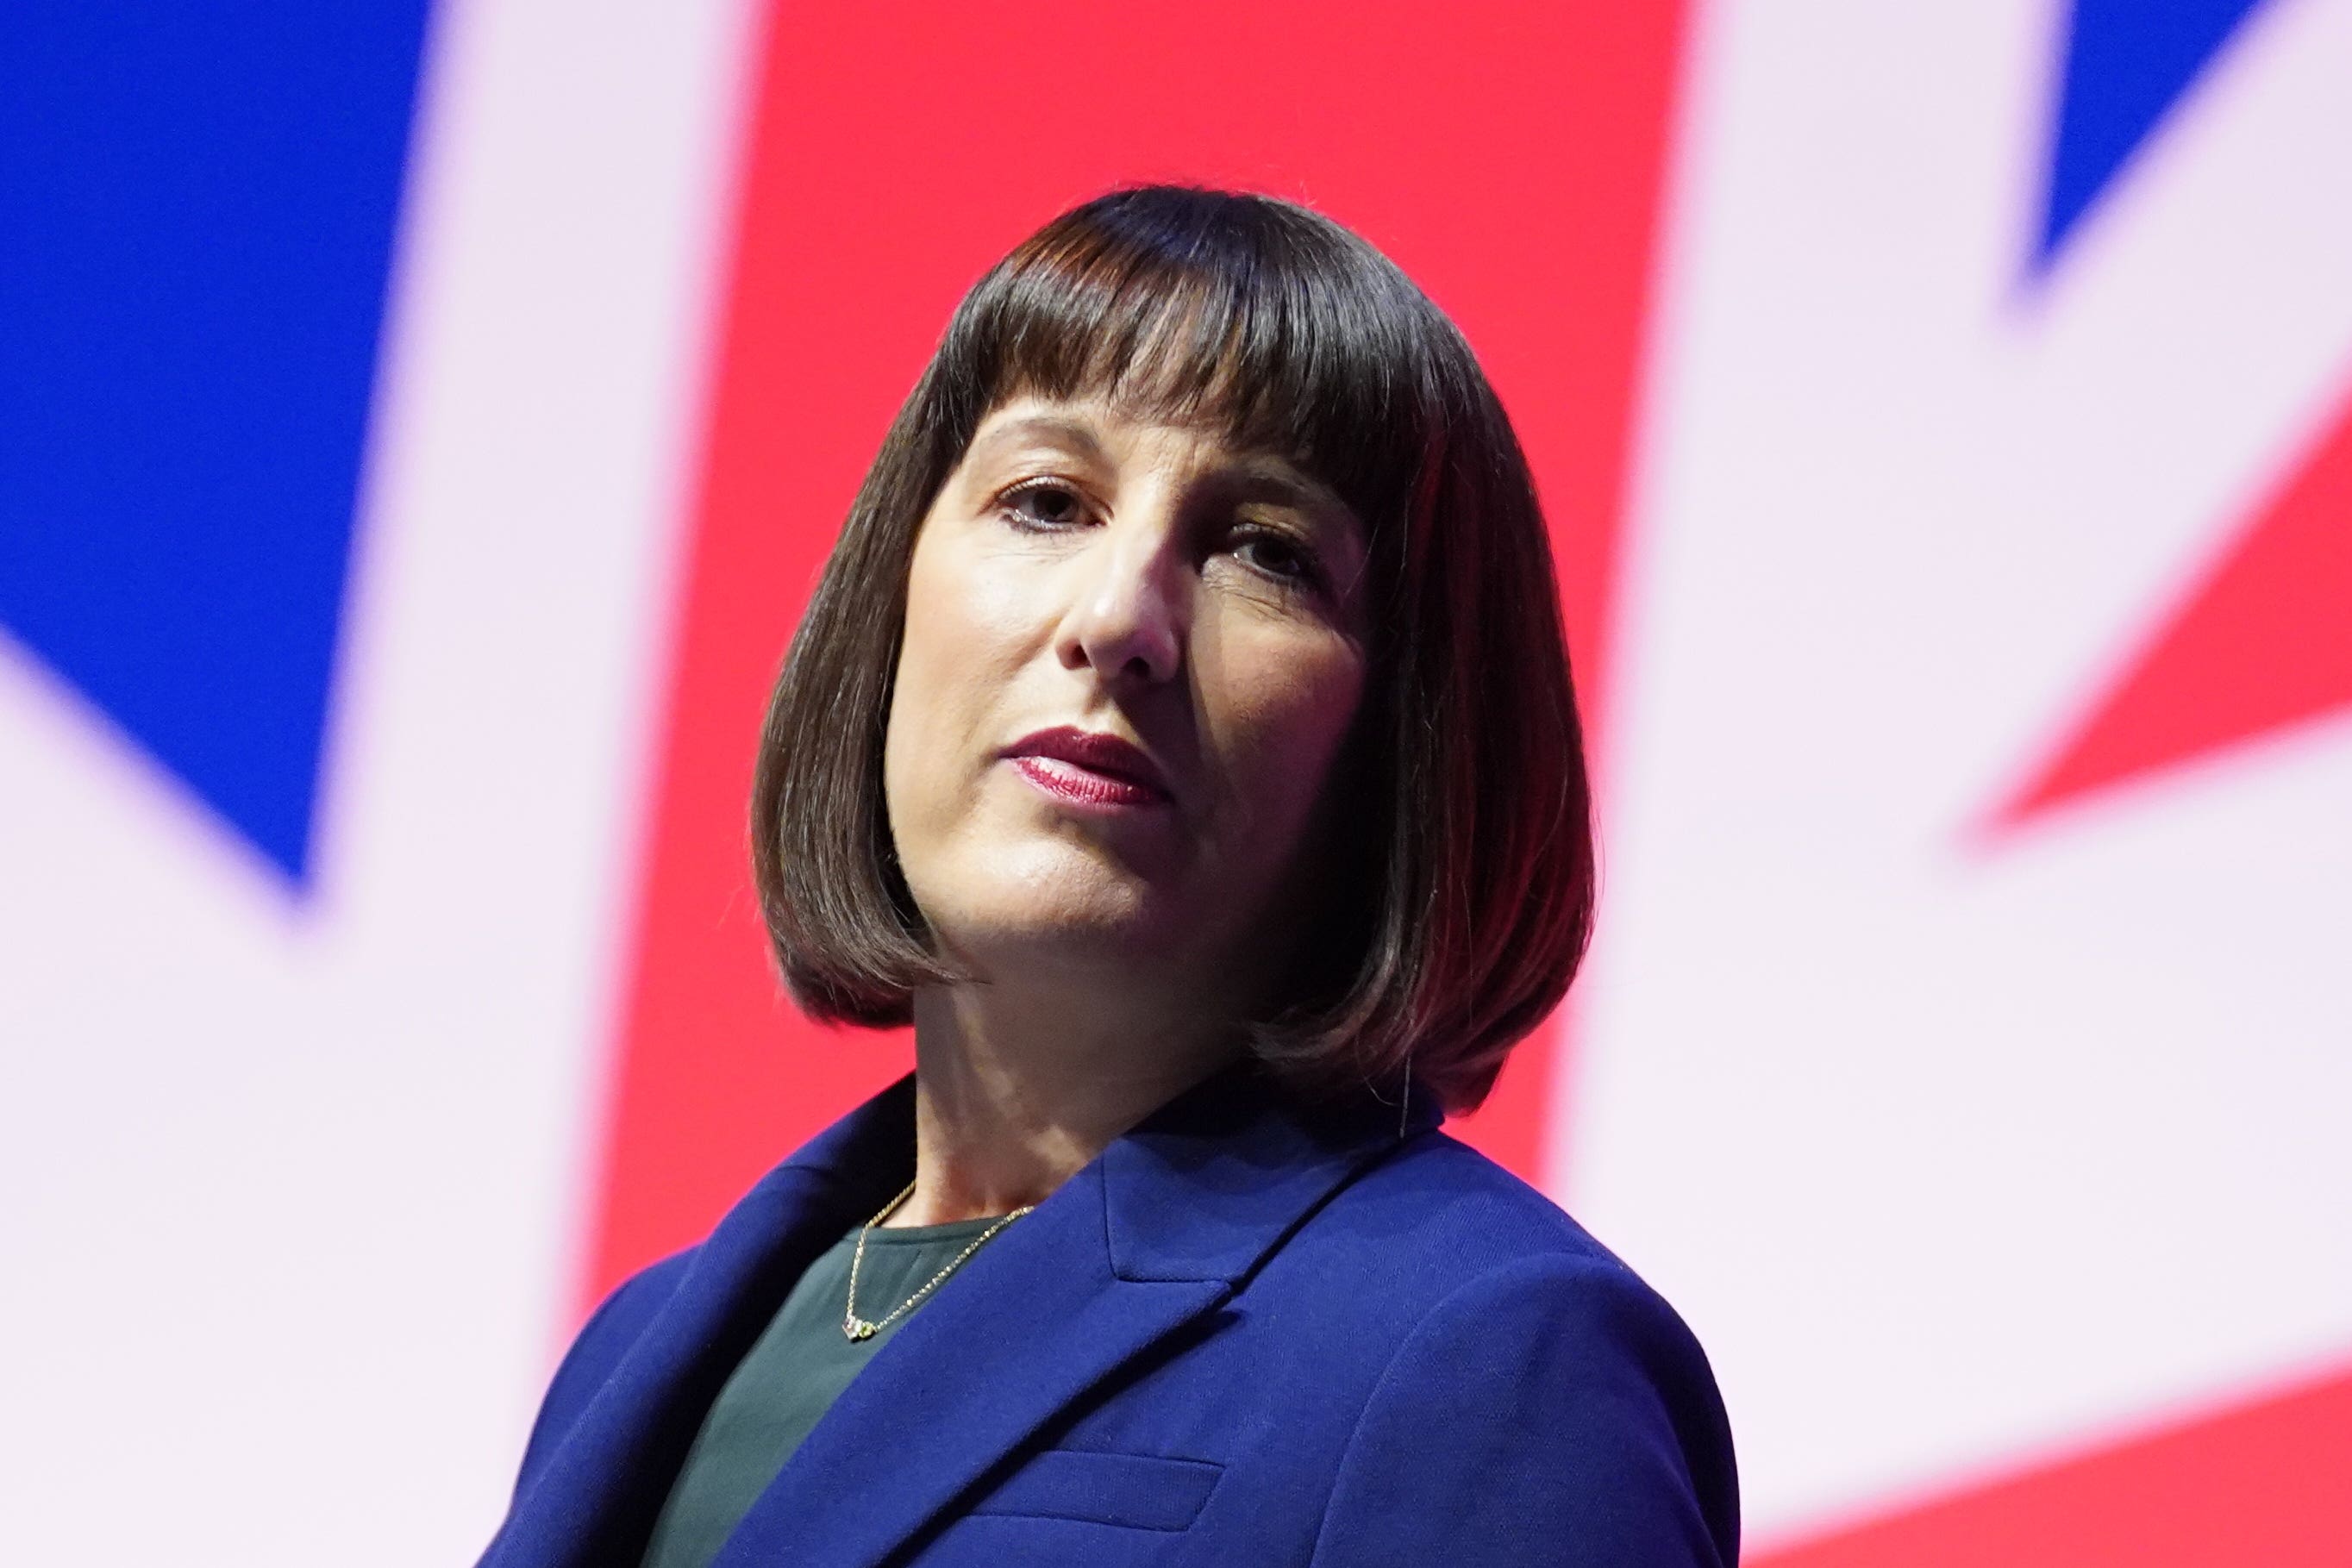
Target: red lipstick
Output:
[(1089, 767)]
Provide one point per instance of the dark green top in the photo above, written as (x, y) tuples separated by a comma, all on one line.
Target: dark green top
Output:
[(787, 1379)]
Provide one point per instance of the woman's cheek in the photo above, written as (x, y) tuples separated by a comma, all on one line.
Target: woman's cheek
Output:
[(1289, 719), (1317, 676)]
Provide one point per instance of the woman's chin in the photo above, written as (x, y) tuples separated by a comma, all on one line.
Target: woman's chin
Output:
[(1045, 904), (1063, 936)]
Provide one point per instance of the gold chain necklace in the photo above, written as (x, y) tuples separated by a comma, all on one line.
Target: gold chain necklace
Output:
[(856, 1327)]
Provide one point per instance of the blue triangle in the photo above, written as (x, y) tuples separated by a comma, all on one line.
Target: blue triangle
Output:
[(2127, 63), (198, 204)]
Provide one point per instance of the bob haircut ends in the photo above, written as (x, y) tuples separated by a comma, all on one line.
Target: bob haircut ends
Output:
[(1458, 891)]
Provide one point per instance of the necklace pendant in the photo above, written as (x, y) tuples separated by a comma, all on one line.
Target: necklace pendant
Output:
[(857, 1328)]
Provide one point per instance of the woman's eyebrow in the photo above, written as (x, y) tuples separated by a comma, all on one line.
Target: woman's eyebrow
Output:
[(1280, 483), (1073, 435)]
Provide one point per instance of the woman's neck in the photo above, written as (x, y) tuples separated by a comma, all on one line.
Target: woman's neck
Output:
[(1016, 1090)]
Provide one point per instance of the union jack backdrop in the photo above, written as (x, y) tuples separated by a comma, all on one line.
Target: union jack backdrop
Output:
[(421, 426)]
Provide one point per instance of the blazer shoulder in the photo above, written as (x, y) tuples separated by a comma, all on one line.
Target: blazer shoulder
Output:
[(1565, 1384), (1399, 1243), (1437, 1197), (1545, 1357), (616, 1324)]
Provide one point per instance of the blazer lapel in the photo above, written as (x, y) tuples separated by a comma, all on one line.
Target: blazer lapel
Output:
[(595, 1501), (1155, 1233)]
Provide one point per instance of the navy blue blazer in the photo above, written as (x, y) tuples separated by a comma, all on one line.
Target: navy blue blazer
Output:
[(1249, 1332)]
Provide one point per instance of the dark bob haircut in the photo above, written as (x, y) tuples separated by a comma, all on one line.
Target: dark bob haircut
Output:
[(1458, 898)]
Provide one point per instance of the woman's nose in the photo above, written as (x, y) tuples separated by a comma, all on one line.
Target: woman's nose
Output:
[(1128, 619)]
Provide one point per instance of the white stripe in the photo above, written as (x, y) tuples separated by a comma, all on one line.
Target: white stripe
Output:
[(1955, 1159), (306, 1178)]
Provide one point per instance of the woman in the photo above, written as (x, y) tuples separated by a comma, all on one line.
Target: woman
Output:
[(1181, 740)]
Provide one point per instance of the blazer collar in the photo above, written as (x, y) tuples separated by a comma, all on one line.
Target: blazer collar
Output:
[(595, 1501), (1200, 1189), (1147, 1238), (1206, 1187), (1154, 1233)]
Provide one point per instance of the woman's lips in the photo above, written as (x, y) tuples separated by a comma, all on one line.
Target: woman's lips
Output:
[(1090, 769), (1083, 786)]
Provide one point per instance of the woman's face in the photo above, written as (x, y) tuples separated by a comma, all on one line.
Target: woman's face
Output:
[(1087, 572)]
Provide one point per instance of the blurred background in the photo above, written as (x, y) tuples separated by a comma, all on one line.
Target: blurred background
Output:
[(421, 424)]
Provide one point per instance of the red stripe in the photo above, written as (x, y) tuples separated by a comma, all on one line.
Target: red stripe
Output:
[(2263, 644), (1508, 156), (2261, 1484)]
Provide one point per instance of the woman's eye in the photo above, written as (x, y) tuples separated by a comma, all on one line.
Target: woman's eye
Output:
[(1043, 504), (1278, 556)]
